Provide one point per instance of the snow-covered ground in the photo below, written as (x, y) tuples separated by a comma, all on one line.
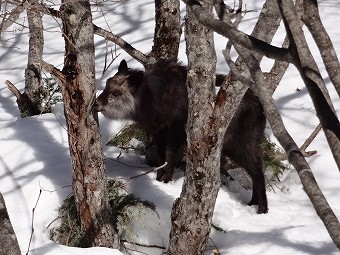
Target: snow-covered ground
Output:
[(34, 151)]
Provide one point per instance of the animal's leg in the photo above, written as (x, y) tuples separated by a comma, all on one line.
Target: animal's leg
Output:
[(173, 153)]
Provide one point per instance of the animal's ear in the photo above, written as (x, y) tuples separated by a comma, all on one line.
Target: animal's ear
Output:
[(122, 66)]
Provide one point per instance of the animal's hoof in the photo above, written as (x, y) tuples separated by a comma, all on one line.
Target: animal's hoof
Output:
[(262, 209), (163, 176)]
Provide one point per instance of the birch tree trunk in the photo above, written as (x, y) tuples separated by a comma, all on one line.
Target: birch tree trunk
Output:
[(89, 177)]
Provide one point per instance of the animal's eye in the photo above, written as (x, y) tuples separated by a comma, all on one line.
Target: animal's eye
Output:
[(116, 93)]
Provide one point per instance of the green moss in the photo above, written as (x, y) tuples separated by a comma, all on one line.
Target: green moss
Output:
[(123, 208), (125, 136)]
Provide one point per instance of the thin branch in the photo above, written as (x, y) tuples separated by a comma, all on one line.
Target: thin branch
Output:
[(309, 141), (233, 68), (144, 245), (152, 169), (32, 226), (133, 52), (113, 58), (147, 172)]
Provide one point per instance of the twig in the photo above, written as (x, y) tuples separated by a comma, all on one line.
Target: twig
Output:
[(215, 251), (113, 58), (32, 230), (152, 169), (144, 245), (131, 166), (139, 175), (304, 146), (51, 191)]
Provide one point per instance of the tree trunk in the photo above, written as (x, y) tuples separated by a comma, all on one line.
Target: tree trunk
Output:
[(167, 30), (312, 20), (192, 212), (8, 240), (30, 102), (190, 230), (34, 90), (89, 179)]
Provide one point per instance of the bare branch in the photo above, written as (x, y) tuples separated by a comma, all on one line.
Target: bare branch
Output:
[(133, 52), (147, 172), (52, 70), (241, 38), (312, 78), (13, 89), (13, 16), (233, 68), (309, 140)]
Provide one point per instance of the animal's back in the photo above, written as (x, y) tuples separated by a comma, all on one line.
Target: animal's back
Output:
[(163, 96)]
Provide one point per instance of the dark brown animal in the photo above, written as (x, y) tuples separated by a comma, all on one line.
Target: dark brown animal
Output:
[(157, 100)]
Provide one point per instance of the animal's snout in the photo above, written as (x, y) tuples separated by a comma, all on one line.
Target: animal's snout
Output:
[(96, 107)]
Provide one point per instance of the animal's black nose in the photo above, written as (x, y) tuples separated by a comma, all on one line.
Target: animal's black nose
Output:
[(96, 107)]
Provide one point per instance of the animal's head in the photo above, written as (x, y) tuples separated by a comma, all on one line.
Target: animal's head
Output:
[(117, 101)]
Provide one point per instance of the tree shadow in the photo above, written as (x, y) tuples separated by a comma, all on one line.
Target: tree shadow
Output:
[(266, 242)]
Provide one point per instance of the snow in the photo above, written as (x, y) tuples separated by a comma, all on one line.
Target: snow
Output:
[(34, 152)]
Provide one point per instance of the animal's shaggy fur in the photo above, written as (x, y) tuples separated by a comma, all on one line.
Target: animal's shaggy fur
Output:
[(157, 100)]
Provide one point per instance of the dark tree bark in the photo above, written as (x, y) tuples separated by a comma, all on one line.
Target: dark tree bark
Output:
[(78, 88), (167, 30), (8, 240)]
